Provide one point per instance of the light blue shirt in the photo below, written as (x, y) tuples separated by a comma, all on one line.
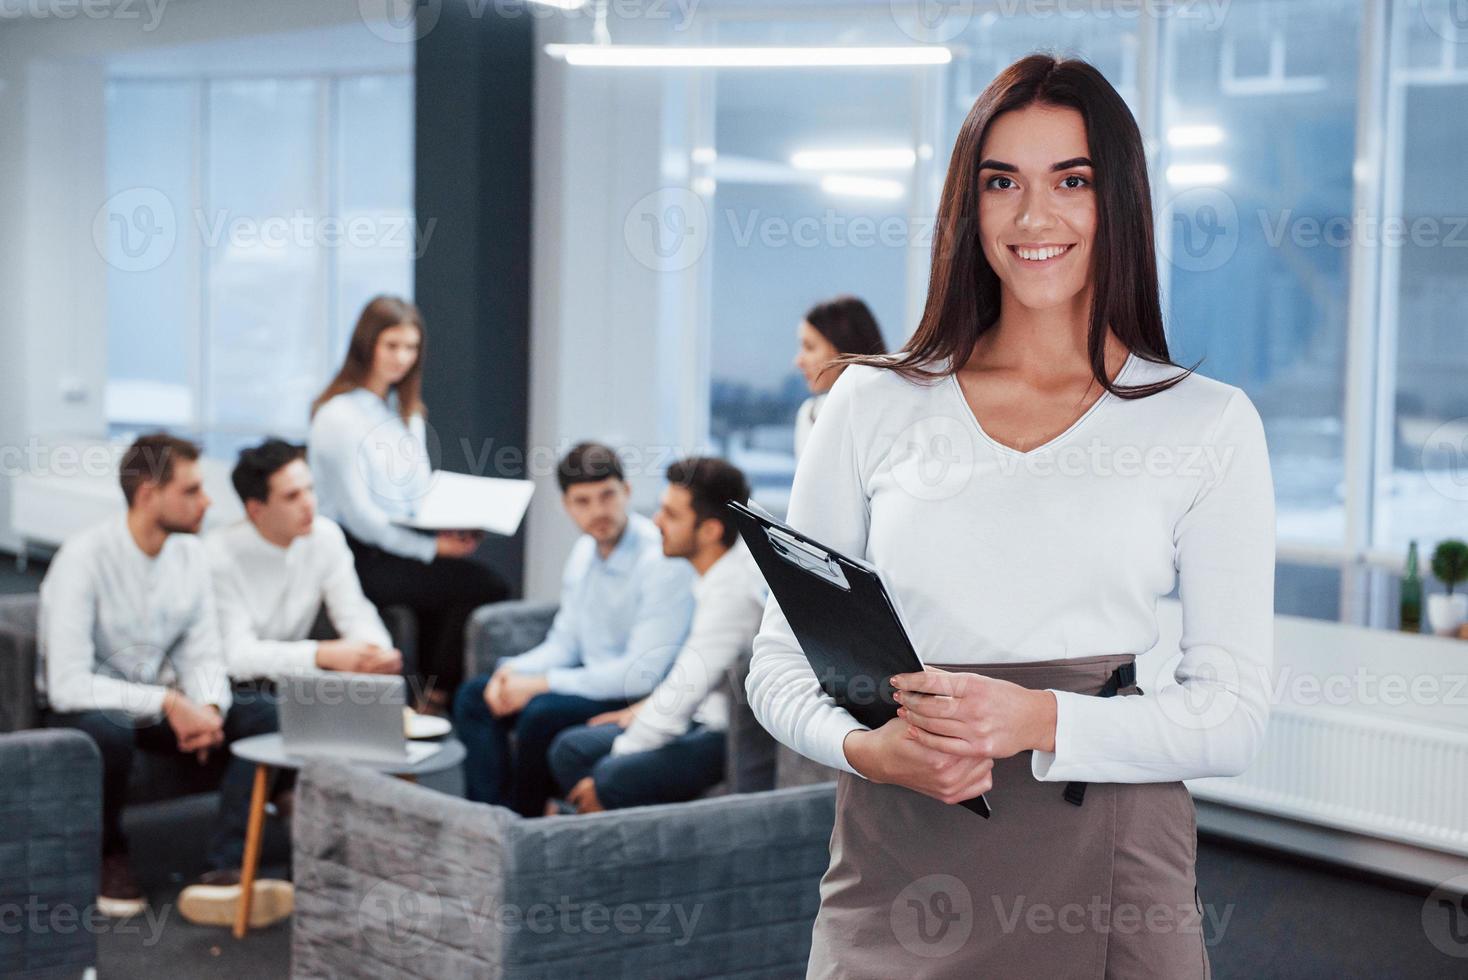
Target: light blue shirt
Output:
[(372, 468), (621, 621)]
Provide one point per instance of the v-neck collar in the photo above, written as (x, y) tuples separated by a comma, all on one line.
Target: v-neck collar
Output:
[(1095, 406)]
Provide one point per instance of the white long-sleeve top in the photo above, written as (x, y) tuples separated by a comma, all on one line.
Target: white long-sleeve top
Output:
[(371, 468), (999, 556), (268, 597), (118, 628), (730, 599)]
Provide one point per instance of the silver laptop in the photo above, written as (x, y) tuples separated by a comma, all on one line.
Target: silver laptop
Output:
[(348, 716)]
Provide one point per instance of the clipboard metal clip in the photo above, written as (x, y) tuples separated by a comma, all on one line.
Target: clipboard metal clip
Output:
[(806, 558)]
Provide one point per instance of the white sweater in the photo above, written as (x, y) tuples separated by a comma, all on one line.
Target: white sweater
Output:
[(118, 628), (268, 597), (998, 556), (730, 598), (371, 469)]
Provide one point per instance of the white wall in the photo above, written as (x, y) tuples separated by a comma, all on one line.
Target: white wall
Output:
[(52, 179), (616, 353)]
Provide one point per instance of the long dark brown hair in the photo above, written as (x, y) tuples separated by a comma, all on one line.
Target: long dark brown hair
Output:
[(380, 313), (963, 291)]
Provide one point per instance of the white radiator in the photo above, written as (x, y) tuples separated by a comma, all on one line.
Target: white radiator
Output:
[(1383, 777)]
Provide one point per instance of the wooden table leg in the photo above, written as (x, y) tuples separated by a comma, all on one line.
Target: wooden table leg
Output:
[(252, 851)]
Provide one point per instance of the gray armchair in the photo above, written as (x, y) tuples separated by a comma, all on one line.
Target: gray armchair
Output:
[(394, 880), (50, 851), (505, 629)]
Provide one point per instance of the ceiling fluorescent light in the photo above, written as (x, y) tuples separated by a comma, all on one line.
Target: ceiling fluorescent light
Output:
[(898, 158), (659, 56), (1197, 173), (849, 186), (1194, 136)]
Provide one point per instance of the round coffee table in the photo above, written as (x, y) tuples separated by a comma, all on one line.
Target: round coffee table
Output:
[(268, 752)]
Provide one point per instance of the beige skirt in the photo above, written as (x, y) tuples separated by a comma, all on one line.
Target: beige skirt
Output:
[(1043, 888)]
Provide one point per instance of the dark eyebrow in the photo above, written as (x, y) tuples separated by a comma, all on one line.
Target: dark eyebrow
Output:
[(992, 164)]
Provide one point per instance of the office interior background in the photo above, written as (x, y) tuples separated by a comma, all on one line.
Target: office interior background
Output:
[(200, 195)]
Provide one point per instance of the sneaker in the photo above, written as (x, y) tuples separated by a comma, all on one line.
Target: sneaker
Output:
[(120, 897), (213, 899)]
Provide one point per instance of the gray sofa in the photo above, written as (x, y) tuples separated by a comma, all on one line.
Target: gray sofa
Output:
[(395, 880), (153, 777), (505, 629), (50, 852)]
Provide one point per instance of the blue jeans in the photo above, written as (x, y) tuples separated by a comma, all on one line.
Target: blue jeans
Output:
[(681, 770), (520, 780)]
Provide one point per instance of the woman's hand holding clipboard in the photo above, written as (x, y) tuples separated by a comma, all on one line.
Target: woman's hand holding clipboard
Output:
[(845, 618)]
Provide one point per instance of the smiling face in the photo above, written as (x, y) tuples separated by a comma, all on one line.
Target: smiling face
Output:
[(1037, 207)]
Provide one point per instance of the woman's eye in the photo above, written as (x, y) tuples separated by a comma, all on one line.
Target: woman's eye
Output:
[(993, 183), (1079, 181)]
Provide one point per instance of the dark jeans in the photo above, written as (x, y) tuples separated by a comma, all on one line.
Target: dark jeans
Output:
[(442, 595), (524, 782), (684, 769), (119, 737)]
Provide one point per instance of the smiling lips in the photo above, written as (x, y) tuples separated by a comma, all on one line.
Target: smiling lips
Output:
[(1041, 254)]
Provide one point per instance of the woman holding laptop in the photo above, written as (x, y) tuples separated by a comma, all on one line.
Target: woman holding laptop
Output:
[(369, 455), (1032, 473)]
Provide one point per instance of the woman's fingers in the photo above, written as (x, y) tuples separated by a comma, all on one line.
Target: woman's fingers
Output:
[(941, 743), (938, 725)]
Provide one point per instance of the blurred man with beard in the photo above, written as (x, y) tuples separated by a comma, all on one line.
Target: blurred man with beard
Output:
[(131, 656), (624, 611)]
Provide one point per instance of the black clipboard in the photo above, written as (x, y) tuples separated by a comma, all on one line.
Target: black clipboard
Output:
[(848, 626)]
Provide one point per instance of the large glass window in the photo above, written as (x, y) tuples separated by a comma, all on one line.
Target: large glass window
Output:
[(265, 213), (809, 182), (1422, 490), (1250, 115), (1255, 193)]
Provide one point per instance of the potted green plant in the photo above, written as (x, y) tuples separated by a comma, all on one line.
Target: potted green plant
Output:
[(1445, 613)]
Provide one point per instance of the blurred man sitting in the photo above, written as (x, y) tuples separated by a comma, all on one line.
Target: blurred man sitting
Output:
[(624, 611), (130, 647), (669, 747), (274, 570)]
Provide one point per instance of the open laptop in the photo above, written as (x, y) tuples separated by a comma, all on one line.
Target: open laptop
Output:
[(348, 716)]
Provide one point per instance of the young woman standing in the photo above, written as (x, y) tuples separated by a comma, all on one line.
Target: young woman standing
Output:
[(843, 325), (369, 455), (1033, 473)]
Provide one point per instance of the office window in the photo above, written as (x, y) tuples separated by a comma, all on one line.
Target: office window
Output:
[(1255, 202), (808, 179), (288, 204), (151, 275), (1422, 486)]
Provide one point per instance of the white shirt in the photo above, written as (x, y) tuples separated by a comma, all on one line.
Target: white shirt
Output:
[(371, 468), (268, 597), (1062, 552), (118, 628), (805, 420), (730, 599), (621, 620)]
